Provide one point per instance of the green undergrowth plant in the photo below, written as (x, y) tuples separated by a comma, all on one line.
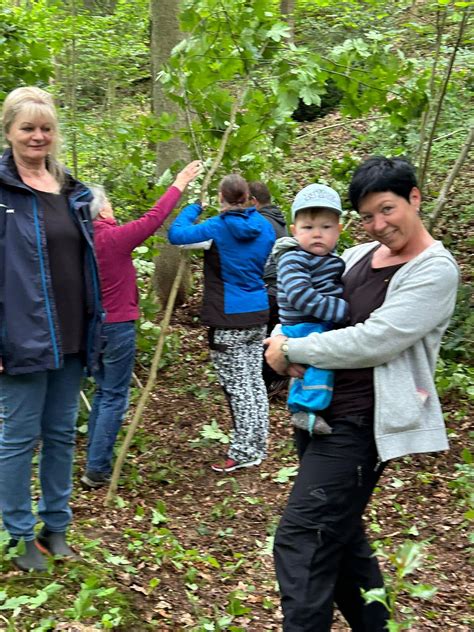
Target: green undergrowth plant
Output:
[(463, 483), (28, 601), (210, 433), (458, 341), (454, 377), (236, 617), (405, 560), (285, 474)]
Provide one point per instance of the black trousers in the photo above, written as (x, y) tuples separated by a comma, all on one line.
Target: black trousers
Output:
[(321, 553)]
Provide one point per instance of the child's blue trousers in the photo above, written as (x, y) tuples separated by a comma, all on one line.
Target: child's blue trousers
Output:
[(313, 391)]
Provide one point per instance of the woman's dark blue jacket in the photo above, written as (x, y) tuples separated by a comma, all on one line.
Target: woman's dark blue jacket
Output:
[(30, 337), (235, 296)]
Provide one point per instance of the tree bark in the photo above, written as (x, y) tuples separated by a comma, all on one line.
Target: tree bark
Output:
[(165, 34), (287, 9)]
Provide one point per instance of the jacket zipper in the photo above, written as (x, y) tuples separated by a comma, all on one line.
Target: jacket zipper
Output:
[(49, 313)]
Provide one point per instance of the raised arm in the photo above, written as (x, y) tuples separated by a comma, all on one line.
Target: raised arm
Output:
[(132, 234), (184, 231)]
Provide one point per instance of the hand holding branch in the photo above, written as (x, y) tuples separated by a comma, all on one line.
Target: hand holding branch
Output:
[(188, 174)]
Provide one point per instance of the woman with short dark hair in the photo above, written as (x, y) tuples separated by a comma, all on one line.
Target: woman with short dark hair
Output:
[(401, 290)]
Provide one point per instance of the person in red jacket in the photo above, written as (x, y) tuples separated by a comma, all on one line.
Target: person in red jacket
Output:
[(114, 245)]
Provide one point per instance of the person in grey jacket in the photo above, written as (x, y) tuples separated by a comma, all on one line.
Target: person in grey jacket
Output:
[(401, 291)]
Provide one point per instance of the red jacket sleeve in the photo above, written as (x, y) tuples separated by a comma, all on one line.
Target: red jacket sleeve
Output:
[(127, 237)]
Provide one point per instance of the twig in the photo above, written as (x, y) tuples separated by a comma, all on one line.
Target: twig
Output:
[(456, 131), (427, 111), (220, 154), (169, 309), (137, 381), (148, 388), (439, 105), (187, 114), (442, 198), (349, 224), (348, 122), (86, 401)]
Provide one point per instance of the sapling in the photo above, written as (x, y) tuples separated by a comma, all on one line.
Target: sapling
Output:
[(407, 559)]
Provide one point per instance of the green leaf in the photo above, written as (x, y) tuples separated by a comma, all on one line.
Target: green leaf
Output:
[(159, 515), (279, 31), (378, 595), (214, 432), (285, 474), (236, 607), (309, 96), (422, 591), (409, 557)]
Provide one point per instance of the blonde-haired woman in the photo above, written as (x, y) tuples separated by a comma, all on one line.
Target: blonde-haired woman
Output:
[(49, 323)]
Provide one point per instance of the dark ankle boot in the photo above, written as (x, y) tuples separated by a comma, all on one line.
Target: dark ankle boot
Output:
[(55, 543), (31, 560)]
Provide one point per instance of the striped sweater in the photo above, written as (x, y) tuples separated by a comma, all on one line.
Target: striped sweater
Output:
[(309, 286)]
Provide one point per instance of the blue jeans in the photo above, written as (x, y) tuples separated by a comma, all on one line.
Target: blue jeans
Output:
[(38, 407), (111, 397)]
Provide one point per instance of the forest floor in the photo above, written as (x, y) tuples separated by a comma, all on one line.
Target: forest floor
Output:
[(213, 558), (185, 548)]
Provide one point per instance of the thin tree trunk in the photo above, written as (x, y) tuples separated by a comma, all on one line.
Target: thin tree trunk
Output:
[(443, 196), (71, 89), (440, 23), (165, 34), (439, 104), (169, 310)]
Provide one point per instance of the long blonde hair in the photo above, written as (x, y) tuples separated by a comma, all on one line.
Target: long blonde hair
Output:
[(36, 102)]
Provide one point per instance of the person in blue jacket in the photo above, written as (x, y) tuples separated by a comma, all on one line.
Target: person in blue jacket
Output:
[(50, 316), (235, 308)]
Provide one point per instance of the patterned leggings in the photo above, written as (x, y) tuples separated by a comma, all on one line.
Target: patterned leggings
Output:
[(237, 358)]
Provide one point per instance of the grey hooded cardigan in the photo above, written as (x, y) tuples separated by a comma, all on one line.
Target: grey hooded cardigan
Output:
[(401, 340)]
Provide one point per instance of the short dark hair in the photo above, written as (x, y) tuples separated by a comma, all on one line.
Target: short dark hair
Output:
[(260, 192), (234, 189), (378, 174)]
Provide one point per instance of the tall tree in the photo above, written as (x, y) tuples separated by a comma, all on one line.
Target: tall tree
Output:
[(165, 34)]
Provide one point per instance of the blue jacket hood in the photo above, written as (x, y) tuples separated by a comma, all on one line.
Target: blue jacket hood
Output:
[(242, 224)]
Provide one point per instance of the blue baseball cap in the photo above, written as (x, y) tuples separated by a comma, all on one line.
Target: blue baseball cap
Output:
[(316, 196)]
